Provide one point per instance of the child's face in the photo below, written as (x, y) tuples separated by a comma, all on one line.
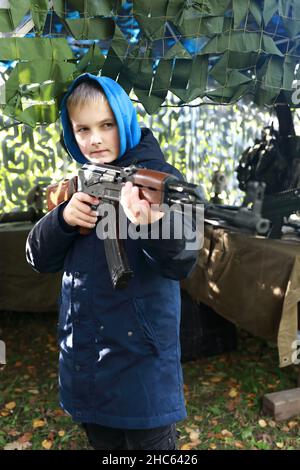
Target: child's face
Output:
[(96, 131)]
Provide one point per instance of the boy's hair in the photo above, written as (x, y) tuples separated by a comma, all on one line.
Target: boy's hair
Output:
[(85, 91)]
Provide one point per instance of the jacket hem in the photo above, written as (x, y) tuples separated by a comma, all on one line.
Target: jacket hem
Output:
[(120, 422)]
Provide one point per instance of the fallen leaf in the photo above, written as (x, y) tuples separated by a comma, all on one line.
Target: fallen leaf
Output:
[(187, 446), (194, 436), (212, 446), (233, 393), (189, 429), (51, 436), (33, 391), (193, 444), (198, 418), (59, 412), (18, 390), (226, 433), (280, 445), (47, 444), (61, 433), (16, 445), (11, 405), (239, 445), (26, 437), (4, 413), (292, 424), (262, 423), (216, 379), (38, 423), (214, 422), (285, 429), (272, 423), (18, 364), (13, 433)]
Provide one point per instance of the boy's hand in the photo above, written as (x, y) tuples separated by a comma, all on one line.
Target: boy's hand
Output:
[(137, 210), (78, 211)]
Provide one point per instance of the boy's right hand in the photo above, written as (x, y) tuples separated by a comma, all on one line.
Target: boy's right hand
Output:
[(78, 211)]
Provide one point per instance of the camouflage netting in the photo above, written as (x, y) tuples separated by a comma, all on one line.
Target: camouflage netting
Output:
[(212, 50)]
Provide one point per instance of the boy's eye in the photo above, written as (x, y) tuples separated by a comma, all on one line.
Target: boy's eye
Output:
[(82, 129), (108, 124)]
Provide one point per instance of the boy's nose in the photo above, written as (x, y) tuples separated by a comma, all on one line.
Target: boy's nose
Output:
[(96, 138)]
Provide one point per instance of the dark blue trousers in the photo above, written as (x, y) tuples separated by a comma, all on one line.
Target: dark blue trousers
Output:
[(104, 438)]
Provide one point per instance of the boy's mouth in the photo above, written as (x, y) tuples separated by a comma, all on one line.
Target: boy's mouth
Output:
[(98, 152)]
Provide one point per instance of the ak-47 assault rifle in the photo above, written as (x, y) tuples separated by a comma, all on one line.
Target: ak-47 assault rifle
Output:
[(105, 182)]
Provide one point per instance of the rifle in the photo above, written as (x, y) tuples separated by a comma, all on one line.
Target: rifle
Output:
[(280, 205), (105, 182)]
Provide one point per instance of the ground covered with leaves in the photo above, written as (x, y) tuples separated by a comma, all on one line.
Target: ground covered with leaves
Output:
[(223, 394)]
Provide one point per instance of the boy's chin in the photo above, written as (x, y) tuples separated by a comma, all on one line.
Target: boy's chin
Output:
[(97, 159)]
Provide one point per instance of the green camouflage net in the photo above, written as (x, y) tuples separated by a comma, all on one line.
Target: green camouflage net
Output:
[(215, 51)]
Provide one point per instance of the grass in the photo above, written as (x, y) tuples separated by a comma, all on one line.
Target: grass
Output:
[(223, 394)]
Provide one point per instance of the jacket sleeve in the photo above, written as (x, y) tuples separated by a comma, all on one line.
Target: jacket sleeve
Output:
[(49, 241), (172, 256)]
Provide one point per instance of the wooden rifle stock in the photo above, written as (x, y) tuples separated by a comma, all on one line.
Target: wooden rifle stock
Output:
[(57, 193)]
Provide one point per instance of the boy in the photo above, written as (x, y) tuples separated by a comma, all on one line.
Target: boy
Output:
[(120, 372)]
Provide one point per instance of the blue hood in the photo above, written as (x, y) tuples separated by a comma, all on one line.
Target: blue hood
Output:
[(122, 107)]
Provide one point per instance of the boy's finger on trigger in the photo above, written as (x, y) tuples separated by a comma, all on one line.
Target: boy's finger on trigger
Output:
[(87, 198)]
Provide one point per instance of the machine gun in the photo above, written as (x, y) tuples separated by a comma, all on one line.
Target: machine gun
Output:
[(105, 182), (279, 206), (247, 217)]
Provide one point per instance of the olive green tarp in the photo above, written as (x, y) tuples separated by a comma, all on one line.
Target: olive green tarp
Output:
[(253, 282)]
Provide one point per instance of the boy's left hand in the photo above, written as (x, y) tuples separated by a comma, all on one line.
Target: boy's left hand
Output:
[(137, 210)]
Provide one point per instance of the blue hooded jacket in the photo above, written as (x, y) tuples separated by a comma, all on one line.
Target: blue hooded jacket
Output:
[(119, 349), (119, 101)]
